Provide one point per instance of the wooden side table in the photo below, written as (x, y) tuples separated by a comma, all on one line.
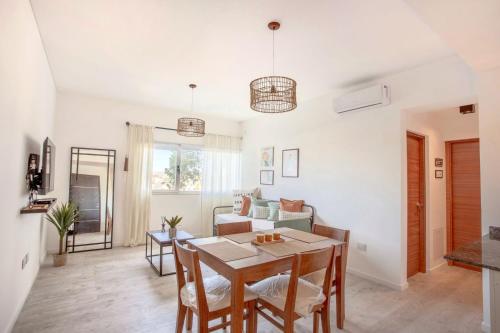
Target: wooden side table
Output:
[(163, 240)]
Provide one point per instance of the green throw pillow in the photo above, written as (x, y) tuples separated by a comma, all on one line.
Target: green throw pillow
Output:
[(274, 208)]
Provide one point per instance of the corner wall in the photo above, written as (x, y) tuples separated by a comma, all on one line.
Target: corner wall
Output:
[(27, 102), (353, 166), (93, 122)]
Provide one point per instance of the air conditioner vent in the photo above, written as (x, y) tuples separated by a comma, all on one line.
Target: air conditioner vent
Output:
[(372, 97)]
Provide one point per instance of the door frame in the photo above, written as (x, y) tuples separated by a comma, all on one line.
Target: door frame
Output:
[(449, 189), (422, 268)]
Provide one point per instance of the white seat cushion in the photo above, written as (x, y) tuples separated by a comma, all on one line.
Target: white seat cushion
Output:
[(217, 291), (275, 289), (257, 224), (316, 278)]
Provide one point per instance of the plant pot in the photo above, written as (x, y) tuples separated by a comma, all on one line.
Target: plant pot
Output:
[(60, 259), (172, 232)]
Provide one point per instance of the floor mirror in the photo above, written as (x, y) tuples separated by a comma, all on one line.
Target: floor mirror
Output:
[(91, 189)]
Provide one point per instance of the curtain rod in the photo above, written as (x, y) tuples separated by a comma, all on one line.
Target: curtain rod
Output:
[(171, 129), (157, 127)]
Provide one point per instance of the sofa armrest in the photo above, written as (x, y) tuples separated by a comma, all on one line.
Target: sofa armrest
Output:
[(298, 224), (215, 212)]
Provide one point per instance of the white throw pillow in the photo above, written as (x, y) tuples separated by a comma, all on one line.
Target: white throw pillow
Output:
[(284, 215), (260, 212), (238, 198)]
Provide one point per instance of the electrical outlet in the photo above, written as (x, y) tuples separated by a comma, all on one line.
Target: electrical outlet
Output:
[(361, 246)]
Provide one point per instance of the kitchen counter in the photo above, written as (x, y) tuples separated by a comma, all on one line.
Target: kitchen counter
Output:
[(483, 253)]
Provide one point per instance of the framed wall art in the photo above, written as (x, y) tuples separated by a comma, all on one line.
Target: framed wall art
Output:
[(266, 177), (267, 157), (290, 163)]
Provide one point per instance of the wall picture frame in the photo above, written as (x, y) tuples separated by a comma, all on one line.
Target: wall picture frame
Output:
[(438, 162), (267, 157), (290, 163), (266, 177), (438, 174)]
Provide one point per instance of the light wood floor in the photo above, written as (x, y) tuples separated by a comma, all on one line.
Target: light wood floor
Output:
[(116, 291)]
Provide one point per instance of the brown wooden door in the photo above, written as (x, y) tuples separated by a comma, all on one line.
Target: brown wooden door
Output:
[(463, 193), (415, 204)]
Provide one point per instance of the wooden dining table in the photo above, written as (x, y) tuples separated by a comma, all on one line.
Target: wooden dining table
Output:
[(263, 265)]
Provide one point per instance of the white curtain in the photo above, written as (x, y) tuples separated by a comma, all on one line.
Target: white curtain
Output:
[(221, 175), (138, 187)]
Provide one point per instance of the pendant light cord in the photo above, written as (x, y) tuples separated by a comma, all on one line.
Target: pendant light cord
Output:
[(192, 101), (273, 52)]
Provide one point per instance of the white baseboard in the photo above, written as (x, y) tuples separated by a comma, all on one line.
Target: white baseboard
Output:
[(485, 327), (441, 263), (384, 282)]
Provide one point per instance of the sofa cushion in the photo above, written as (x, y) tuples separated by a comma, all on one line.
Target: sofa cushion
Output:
[(284, 215), (260, 212), (257, 224), (291, 205), (245, 206), (274, 208), (238, 198)]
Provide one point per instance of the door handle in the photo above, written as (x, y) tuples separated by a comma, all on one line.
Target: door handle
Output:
[(419, 205)]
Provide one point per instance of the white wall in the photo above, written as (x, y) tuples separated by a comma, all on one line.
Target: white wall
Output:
[(27, 102), (85, 121), (353, 166), (439, 127), (489, 122)]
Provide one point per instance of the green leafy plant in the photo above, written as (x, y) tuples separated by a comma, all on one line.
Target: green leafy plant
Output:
[(62, 217), (172, 222)]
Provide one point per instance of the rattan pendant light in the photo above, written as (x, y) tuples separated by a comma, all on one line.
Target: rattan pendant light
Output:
[(190, 126), (273, 94)]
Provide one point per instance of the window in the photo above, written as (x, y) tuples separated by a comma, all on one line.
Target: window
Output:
[(176, 168)]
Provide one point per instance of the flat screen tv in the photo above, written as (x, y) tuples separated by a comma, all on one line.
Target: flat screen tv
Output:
[(48, 167)]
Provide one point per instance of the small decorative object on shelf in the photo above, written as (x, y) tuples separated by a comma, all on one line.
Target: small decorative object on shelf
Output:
[(172, 223), (62, 217)]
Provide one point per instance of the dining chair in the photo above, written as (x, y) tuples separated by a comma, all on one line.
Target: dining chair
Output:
[(209, 298), (234, 228), (290, 297), (334, 233)]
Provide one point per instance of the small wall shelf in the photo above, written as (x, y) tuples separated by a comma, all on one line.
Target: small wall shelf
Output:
[(38, 208)]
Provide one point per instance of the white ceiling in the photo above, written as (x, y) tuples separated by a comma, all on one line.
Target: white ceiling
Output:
[(148, 51), (470, 27)]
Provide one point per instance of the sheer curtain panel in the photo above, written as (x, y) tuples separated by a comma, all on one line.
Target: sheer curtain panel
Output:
[(138, 187), (221, 175)]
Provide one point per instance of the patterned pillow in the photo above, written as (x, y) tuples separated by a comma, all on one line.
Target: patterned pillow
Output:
[(238, 198), (257, 202), (260, 212), (283, 215)]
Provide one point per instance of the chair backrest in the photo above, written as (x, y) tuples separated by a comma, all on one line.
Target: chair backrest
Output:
[(308, 262), (331, 232), (188, 258), (234, 228), (334, 233)]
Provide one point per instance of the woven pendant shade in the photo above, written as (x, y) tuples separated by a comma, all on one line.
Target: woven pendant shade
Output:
[(273, 94), (192, 127)]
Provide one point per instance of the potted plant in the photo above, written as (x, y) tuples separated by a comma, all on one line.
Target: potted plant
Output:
[(172, 223), (62, 217)]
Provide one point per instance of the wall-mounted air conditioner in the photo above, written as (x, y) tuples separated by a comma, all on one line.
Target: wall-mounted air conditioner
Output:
[(372, 97)]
